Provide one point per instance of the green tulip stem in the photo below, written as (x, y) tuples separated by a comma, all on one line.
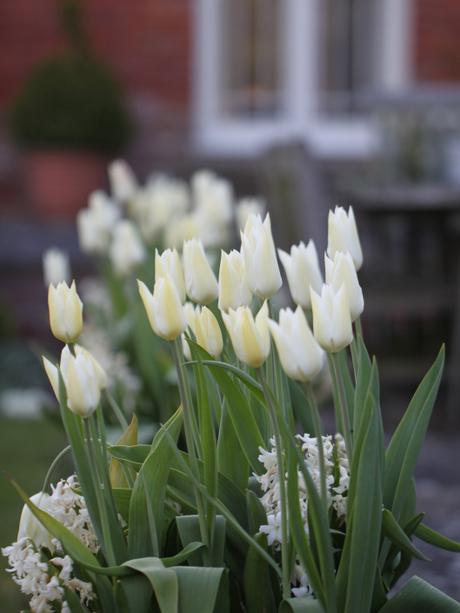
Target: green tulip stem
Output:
[(190, 436), (91, 442), (344, 421), (318, 433), (285, 555), (358, 328), (117, 410)]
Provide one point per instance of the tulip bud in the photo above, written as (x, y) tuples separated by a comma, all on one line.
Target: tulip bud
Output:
[(341, 271), (200, 281), (55, 266), (126, 250), (123, 183), (250, 338), (259, 254), (207, 332), (246, 207), (302, 271), (32, 528), (233, 286), (169, 262), (300, 355), (190, 317), (343, 235), (65, 312), (84, 379), (164, 308), (331, 318)]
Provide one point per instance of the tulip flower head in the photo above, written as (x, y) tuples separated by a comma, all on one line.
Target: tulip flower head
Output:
[(302, 271), (300, 354), (95, 224), (250, 336), (123, 183), (55, 266), (65, 312), (343, 235), (207, 331), (200, 281), (233, 286), (169, 262), (341, 271), (258, 248), (84, 379), (331, 318), (164, 308), (126, 250), (32, 528)]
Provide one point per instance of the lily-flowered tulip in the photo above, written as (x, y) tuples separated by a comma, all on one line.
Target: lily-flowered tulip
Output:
[(302, 271), (65, 312), (233, 286), (95, 223), (341, 271), (126, 250), (258, 248), (83, 376), (331, 318), (300, 355), (164, 308), (200, 281), (343, 235), (56, 266), (169, 262), (32, 528), (207, 331), (123, 183), (250, 336)]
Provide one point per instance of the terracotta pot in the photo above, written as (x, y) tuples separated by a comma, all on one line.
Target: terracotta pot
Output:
[(58, 182)]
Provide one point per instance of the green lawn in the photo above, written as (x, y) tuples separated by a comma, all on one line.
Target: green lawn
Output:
[(26, 451)]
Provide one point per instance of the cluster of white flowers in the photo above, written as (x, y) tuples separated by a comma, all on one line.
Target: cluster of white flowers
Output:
[(337, 481), (164, 211), (37, 561)]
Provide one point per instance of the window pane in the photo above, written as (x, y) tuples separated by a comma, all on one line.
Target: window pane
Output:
[(250, 57), (348, 53)]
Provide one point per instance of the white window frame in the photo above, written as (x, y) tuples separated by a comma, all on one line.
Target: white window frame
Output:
[(218, 135)]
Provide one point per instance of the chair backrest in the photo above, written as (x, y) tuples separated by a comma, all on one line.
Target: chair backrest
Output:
[(291, 182)]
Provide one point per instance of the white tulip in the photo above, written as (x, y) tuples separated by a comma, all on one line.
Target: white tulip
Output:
[(341, 271), (179, 229), (250, 337), (300, 355), (343, 235), (95, 224), (169, 262), (259, 254), (65, 312), (126, 250), (123, 182), (164, 308), (331, 318), (56, 266), (302, 271), (200, 281), (207, 331), (30, 527), (190, 316), (83, 376), (246, 207), (233, 286)]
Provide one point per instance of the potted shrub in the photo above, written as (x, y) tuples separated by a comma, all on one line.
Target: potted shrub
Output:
[(68, 119)]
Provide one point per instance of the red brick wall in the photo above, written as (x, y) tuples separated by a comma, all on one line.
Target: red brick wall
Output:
[(437, 40), (146, 42)]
